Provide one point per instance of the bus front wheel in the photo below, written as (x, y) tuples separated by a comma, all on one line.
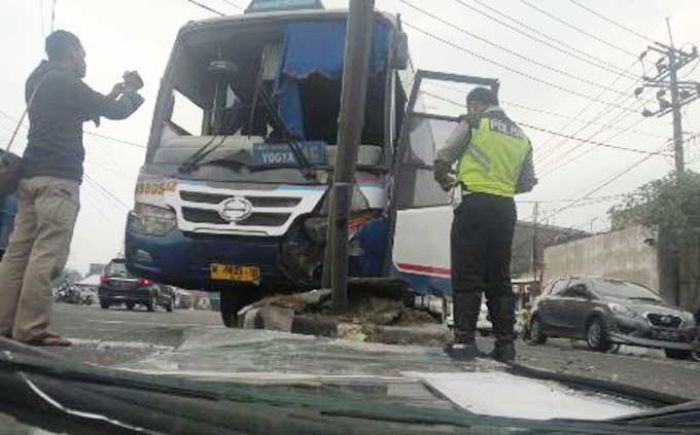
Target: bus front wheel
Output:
[(231, 302)]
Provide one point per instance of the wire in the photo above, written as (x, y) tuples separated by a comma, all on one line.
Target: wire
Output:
[(229, 2), (608, 66), (507, 50), (597, 144), (579, 30), (611, 21), (508, 68), (107, 192), (585, 152), (203, 6), (517, 105), (53, 15), (90, 133), (600, 187), (41, 13), (607, 145)]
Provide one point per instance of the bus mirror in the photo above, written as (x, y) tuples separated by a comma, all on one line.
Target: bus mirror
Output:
[(401, 51)]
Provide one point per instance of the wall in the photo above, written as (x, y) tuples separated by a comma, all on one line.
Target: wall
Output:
[(620, 254)]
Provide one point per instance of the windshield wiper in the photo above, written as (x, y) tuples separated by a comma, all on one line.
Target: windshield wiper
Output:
[(306, 168), (192, 161)]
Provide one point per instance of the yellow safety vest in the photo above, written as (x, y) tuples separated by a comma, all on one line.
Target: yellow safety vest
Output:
[(494, 157)]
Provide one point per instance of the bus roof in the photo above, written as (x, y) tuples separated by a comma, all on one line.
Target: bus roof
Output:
[(275, 16)]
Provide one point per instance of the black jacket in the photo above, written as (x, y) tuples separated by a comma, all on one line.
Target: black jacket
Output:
[(61, 104)]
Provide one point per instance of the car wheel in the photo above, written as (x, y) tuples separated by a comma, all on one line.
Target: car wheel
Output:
[(231, 302), (678, 353), (130, 306), (151, 304), (597, 336), (170, 305), (695, 355), (104, 304), (536, 334)]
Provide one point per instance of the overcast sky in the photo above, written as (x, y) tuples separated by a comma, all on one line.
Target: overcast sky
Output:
[(138, 34)]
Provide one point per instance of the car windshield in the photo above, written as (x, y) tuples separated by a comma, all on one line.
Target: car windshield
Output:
[(624, 290)]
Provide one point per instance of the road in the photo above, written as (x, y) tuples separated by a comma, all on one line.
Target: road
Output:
[(118, 336)]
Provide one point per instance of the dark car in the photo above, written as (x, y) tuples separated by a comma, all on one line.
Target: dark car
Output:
[(118, 286), (607, 311)]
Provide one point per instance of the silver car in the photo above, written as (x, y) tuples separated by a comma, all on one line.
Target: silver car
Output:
[(606, 311)]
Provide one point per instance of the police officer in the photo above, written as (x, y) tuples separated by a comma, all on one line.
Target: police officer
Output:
[(494, 162)]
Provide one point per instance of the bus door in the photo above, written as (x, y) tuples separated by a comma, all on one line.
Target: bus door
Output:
[(420, 212)]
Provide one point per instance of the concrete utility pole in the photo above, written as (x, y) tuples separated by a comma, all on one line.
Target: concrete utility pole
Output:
[(535, 236), (682, 92), (358, 41)]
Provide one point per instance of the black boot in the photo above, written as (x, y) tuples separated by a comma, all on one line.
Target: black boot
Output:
[(503, 320), (465, 308)]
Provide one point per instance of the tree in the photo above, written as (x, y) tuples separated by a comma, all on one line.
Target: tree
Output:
[(671, 207)]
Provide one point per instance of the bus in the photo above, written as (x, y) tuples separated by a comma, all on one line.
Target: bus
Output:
[(233, 196)]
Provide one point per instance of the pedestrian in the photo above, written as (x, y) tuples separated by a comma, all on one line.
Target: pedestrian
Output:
[(59, 102), (494, 163)]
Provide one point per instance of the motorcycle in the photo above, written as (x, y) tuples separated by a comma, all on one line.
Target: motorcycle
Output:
[(69, 293)]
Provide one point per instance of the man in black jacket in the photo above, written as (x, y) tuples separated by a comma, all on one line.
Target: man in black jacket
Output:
[(52, 169)]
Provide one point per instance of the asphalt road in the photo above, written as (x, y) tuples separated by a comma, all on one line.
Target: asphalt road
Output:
[(118, 336)]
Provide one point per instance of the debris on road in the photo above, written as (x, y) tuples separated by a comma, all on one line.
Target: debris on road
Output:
[(379, 311)]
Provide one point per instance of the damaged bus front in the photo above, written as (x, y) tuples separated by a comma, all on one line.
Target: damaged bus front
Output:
[(233, 194)]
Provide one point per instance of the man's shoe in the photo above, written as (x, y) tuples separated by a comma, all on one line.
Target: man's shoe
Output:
[(503, 352), (50, 341), (462, 352)]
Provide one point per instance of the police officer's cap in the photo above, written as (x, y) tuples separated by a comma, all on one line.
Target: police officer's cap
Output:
[(482, 95)]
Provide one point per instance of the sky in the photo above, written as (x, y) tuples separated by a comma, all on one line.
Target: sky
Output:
[(137, 34)]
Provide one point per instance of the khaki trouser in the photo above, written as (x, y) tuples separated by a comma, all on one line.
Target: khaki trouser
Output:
[(36, 255)]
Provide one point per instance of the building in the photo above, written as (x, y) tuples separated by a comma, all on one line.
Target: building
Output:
[(96, 269)]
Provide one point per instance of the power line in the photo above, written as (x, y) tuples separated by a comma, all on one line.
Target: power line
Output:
[(53, 15), (583, 32), (611, 21), (507, 50), (107, 192), (600, 187), (601, 114), (600, 95), (561, 165), (607, 145), (597, 144), (517, 105), (90, 133), (602, 64), (511, 69), (229, 2), (203, 6)]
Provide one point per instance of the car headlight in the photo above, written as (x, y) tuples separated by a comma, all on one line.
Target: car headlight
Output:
[(152, 220), (622, 310), (688, 319)]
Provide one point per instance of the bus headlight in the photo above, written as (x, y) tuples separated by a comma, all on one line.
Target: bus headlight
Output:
[(152, 220)]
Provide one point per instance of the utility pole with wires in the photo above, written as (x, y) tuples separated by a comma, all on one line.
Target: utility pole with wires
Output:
[(350, 126), (666, 80), (535, 237)]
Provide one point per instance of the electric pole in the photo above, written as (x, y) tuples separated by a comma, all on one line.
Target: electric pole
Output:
[(672, 60), (350, 125), (535, 236)]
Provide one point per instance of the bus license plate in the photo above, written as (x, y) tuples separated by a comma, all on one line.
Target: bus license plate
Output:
[(230, 272)]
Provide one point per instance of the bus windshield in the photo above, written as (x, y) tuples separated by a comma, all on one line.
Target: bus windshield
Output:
[(238, 95)]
